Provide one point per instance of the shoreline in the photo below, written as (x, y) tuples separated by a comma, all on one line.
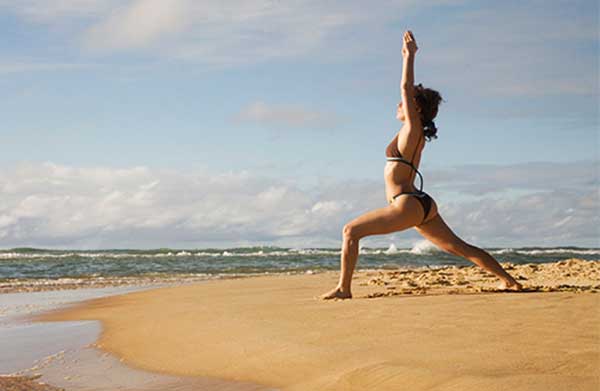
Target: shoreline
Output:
[(11, 286), (26, 270), (49, 356), (410, 333)]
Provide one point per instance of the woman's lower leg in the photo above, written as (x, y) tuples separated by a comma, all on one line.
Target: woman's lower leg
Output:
[(484, 260), (348, 260)]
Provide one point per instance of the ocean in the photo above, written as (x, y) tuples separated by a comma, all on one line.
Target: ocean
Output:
[(33, 267)]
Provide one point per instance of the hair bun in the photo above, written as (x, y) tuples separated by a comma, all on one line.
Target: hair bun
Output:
[(430, 130)]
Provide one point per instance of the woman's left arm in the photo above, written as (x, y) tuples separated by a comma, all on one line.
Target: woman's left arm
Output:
[(409, 49)]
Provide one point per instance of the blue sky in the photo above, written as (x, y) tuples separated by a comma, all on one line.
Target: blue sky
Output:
[(298, 98)]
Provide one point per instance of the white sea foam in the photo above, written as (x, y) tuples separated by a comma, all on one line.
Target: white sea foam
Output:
[(503, 251), (367, 251), (311, 251), (548, 251), (392, 249), (424, 247)]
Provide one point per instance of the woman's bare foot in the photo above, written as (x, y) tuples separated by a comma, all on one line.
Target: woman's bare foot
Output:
[(336, 293), (506, 286)]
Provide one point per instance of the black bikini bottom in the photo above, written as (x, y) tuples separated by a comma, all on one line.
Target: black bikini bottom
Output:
[(422, 197)]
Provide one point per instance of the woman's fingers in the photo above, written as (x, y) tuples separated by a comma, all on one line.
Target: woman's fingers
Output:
[(409, 43)]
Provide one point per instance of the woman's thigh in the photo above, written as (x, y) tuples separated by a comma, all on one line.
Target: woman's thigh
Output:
[(437, 232), (405, 212)]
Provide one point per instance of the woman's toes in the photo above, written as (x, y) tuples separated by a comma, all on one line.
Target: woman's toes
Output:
[(336, 293), (515, 286)]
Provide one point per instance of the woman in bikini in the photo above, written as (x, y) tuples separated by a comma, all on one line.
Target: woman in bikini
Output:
[(410, 207)]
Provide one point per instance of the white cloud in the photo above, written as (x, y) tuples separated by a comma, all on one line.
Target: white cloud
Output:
[(53, 205), (279, 115), (50, 205), (138, 24), (480, 179), (537, 56), (224, 33), (57, 11), (547, 218), (30, 66), (539, 53), (216, 32)]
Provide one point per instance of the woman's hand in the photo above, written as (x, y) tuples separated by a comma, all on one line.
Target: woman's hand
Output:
[(410, 45)]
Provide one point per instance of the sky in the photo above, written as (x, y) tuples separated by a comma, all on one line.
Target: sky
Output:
[(190, 124)]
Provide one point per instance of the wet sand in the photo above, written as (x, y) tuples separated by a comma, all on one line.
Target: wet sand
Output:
[(61, 355), (23, 285), (25, 383), (413, 329), (89, 369)]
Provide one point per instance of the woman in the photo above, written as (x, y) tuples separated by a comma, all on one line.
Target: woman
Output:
[(410, 207)]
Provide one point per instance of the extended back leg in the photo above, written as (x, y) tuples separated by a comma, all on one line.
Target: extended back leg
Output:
[(438, 233)]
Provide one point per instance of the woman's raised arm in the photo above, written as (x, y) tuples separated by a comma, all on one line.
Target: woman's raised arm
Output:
[(409, 49)]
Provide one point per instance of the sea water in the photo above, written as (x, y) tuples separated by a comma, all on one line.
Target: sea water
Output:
[(72, 267)]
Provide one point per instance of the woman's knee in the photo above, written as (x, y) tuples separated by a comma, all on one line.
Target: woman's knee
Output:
[(350, 232)]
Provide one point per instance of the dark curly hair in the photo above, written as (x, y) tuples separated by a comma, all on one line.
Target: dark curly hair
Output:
[(428, 101)]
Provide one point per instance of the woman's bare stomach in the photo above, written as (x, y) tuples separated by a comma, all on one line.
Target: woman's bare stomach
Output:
[(397, 180)]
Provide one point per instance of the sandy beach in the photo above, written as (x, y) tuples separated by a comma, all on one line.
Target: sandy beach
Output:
[(405, 329), (47, 356), (24, 383)]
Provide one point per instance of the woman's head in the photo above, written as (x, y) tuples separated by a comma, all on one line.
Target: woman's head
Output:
[(427, 103)]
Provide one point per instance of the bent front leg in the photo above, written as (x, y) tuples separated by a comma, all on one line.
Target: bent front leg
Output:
[(404, 213), (348, 257)]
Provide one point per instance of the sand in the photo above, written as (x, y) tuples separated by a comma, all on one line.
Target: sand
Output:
[(23, 285), (24, 383), (406, 329)]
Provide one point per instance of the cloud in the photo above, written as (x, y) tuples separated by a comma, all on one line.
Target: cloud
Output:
[(138, 24), (551, 54), (533, 56), (58, 11), (218, 33), (29, 66), (286, 116), (214, 32), (547, 218), (540, 203), (481, 179), (51, 205)]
